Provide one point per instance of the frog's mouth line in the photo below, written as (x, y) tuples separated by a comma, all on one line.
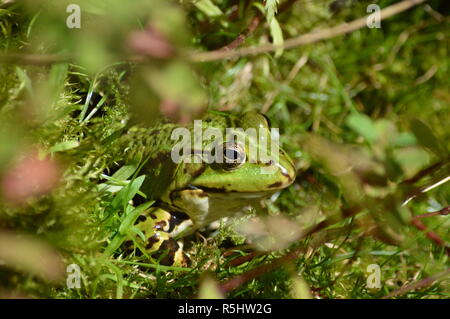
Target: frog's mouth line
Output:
[(217, 192)]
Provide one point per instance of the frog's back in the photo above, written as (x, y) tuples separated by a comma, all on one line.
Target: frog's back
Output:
[(153, 146)]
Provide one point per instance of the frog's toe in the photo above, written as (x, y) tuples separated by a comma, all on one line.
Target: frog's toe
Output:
[(182, 229), (171, 253)]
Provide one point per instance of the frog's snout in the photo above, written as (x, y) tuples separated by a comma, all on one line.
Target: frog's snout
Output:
[(284, 169), (287, 170)]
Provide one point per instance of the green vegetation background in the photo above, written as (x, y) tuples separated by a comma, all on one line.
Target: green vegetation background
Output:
[(361, 115)]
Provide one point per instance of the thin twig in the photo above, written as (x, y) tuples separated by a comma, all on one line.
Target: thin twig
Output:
[(431, 235), (252, 26), (239, 280), (312, 37), (254, 23), (35, 59), (309, 38), (425, 189), (47, 59), (443, 212), (418, 284)]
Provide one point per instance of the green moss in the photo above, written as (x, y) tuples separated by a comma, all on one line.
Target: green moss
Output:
[(391, 75)]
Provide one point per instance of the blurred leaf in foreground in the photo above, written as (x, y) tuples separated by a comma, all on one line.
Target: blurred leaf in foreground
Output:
[(271, 232), (426, 137), (209, 289), (26, 253), (30, 176), (300, 289)]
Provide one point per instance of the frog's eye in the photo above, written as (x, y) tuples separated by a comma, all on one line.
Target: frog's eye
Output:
[(234, 156)]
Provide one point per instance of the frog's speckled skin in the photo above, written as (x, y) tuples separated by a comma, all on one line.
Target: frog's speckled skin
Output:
[(204, 192)]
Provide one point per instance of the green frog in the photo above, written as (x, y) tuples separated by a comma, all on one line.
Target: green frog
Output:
[(197, 179)]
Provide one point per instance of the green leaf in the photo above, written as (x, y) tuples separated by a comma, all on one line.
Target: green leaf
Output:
[(277, 36), (411, 159), (119, 280), (128, 192), (109, 188), (131, 217), (4, 12), (136, 231), (363, 125), (64, 146), (125, 171), (405, 139), (426, 137), (25, 80), (208, 8), (271, 9), (56, 79), (385, 130), (126, 224), (88, 100)]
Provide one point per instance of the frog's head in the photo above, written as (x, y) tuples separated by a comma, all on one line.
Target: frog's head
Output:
[(256, 166), (222, 188)]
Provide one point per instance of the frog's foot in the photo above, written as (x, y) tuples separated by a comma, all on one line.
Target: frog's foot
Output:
[(183, 229), (154, 238), (170, 253)]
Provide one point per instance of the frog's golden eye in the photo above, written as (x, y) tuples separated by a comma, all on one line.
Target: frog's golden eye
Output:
[(233, 155)]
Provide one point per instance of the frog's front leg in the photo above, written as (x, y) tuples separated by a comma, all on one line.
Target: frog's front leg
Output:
[(154, 237), (182, 229), (195, 202)]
